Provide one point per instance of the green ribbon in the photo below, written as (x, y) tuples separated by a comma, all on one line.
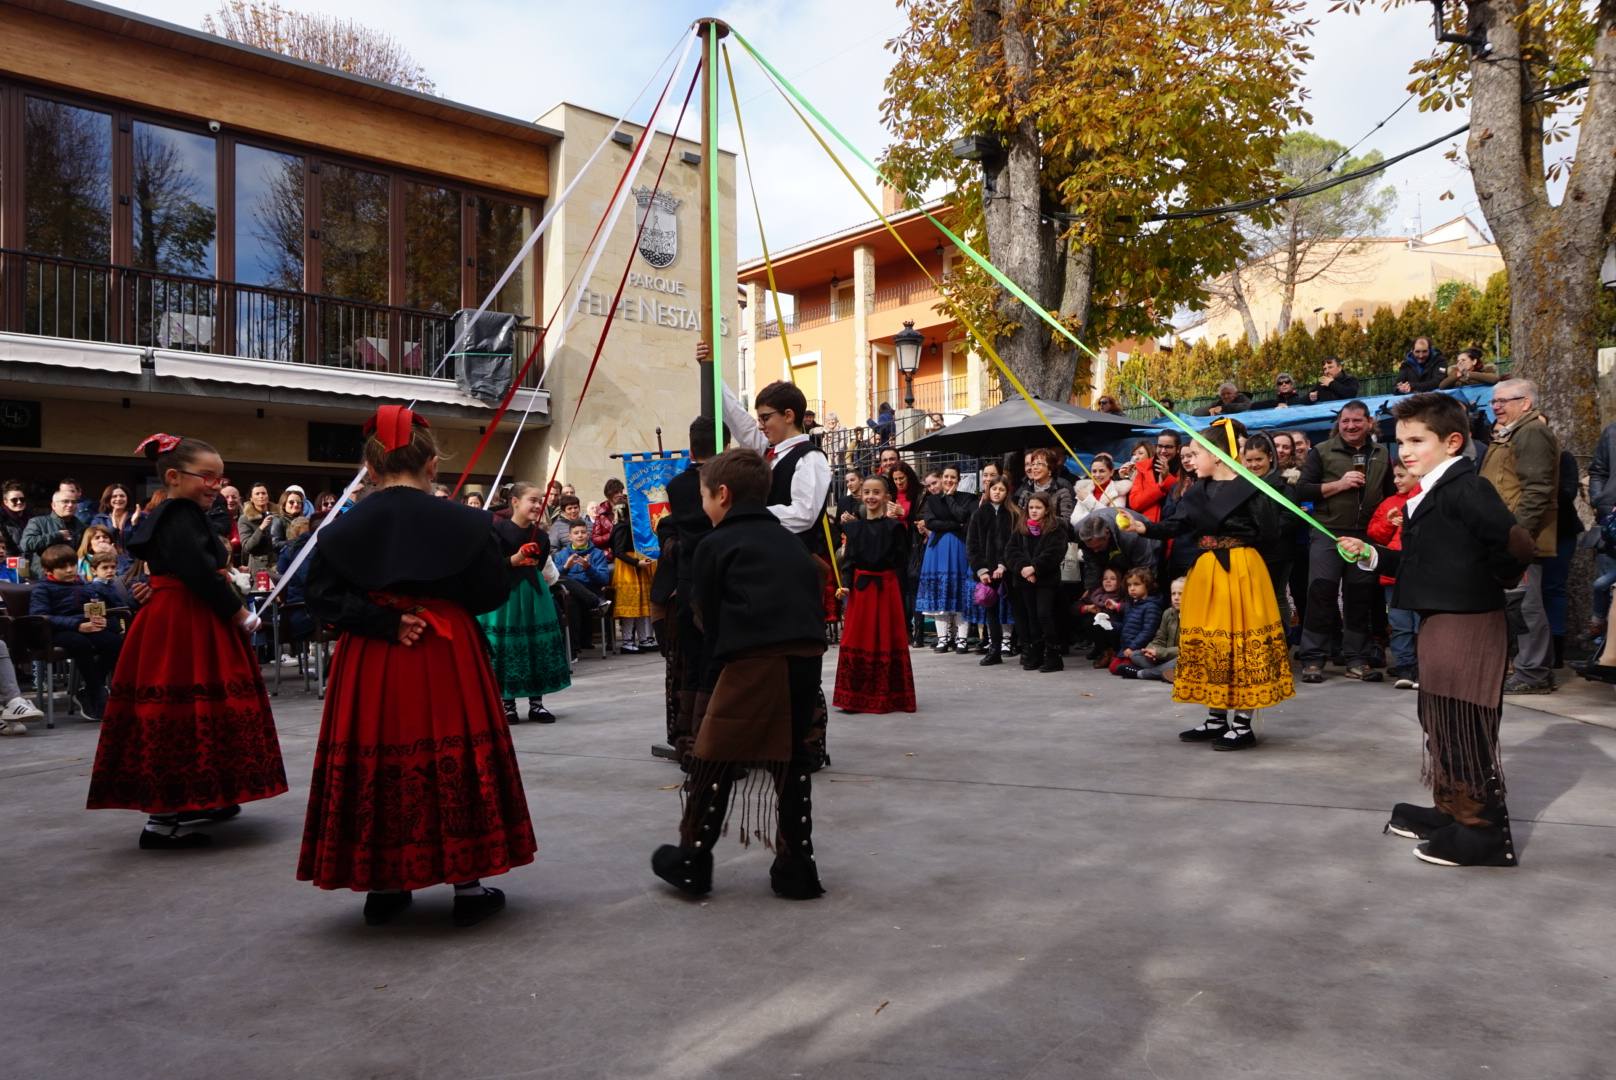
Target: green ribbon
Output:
[(1060, 327)]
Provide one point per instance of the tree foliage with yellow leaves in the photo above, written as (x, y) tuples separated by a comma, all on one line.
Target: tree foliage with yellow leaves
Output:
[(1093, 115)]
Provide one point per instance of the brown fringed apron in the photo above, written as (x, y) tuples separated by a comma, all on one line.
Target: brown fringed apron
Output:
[(1461, 659), (752, 722)]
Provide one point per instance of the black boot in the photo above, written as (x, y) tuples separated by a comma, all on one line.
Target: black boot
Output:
[(1491, 844), (1559, 651), (993, 656), (690, 870), (1052, 661), (794, 875), (1416, 822), (1032, 657)]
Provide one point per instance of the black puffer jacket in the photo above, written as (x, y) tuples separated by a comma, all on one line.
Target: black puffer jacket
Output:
[(1043, 553)]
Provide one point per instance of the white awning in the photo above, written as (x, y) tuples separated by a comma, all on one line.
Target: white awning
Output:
[(63, 353)]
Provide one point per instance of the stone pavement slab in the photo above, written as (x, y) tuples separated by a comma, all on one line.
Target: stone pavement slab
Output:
[(1028, 878)]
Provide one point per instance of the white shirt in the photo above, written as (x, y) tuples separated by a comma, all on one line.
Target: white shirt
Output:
[(810, 484), (1427, 482)]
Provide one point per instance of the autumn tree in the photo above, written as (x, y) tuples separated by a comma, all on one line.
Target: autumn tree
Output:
[(1315, 238), (1539, 79), (320, 39), (1088, 117)]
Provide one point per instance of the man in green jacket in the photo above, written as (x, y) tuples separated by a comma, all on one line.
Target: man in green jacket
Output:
[(1523, 463), (1345, 477)]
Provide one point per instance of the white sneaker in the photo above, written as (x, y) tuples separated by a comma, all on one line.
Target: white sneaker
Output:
[(13, 727), (288, 661), (19, 708)]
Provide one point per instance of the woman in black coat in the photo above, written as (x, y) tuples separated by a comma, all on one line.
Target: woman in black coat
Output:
[(1033, 562), (987, 542)]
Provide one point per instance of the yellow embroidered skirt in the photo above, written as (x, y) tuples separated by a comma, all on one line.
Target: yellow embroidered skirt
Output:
[(1232, 652), (631, 587)]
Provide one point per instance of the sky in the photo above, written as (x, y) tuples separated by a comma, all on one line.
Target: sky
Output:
[(521, 57)]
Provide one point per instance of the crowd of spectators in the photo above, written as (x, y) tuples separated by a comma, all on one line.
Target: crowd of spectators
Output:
[(1115, 589)]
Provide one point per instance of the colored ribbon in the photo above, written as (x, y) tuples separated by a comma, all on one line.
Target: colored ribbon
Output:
[(1019, 293)]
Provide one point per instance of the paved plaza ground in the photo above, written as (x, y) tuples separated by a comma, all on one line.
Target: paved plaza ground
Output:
[(1028, 878)]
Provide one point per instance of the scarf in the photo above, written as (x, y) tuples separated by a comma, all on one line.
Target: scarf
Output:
[(1035, 528)]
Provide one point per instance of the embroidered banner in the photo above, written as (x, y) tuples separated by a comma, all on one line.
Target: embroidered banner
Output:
[(646, 476)]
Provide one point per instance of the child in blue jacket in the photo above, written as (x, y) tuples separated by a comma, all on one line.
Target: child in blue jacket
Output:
[(1140, 619), (60, 596)]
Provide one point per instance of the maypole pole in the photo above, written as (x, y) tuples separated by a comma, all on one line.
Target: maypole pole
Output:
[(712, 294)]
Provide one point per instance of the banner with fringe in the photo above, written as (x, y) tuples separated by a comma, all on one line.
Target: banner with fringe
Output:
[(646, 476)]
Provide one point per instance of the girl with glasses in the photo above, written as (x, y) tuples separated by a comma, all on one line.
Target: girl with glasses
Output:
[(187, 734)]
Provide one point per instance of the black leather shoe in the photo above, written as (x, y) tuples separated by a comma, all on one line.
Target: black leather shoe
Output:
[(1052, 662), (510, 712), (1594, 671), (192, 818), (1209, 729), (382, 908), (169, 841), (538, 714), (690, 870), (991, 659), (471, 910)]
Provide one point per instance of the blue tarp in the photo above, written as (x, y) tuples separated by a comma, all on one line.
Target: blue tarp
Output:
[(1309, 418)]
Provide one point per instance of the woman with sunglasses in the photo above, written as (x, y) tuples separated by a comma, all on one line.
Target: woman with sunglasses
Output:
[(187, 735), (13, 516)]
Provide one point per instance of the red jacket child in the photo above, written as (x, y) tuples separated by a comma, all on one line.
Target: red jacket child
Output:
[(1386, 526)]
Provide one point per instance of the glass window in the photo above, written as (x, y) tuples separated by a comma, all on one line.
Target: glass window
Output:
[(173, 190), (269, 253), (67, 181), (431, 248), (502, 228), (269, 218), (353, 234)]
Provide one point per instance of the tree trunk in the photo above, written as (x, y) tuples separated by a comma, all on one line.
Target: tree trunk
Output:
[(1552, 252), (1018, 241), (1064, 360), (1287, 279), (1242, 305)]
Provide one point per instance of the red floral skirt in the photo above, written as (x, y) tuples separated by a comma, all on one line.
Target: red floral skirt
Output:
[(415, 780), (187, 724), (872, 666)]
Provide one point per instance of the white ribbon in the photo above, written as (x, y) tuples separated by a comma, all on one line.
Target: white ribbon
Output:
[(527, 247), (595, 254)]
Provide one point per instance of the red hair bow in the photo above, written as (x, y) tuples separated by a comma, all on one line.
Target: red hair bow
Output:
[(165, 443), (393, 425)]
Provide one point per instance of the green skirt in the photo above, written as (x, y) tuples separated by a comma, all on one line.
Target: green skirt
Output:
[(529, 651)]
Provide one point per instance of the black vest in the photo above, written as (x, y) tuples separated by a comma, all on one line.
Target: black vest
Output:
[(785, 467)]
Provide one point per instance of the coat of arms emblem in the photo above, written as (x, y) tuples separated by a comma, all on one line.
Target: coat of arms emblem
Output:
[(659, 241)]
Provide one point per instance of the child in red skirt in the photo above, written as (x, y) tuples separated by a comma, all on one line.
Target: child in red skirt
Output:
[(187, 734), (872, 666), (415, 781)]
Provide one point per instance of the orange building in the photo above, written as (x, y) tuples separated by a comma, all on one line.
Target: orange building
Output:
[(846, 296)]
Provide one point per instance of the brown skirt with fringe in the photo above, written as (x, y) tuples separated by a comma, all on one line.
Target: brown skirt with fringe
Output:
[(1461, 660)]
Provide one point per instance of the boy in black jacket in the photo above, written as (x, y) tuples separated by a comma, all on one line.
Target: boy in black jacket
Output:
[(758, 600), (1461, 550)]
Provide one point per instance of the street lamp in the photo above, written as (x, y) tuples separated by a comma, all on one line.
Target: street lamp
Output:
[(908, 342)]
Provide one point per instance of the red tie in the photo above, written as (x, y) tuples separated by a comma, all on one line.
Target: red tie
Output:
[(768, 455)]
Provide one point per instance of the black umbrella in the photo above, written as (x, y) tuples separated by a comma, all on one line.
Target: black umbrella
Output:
[(1014, 426)]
